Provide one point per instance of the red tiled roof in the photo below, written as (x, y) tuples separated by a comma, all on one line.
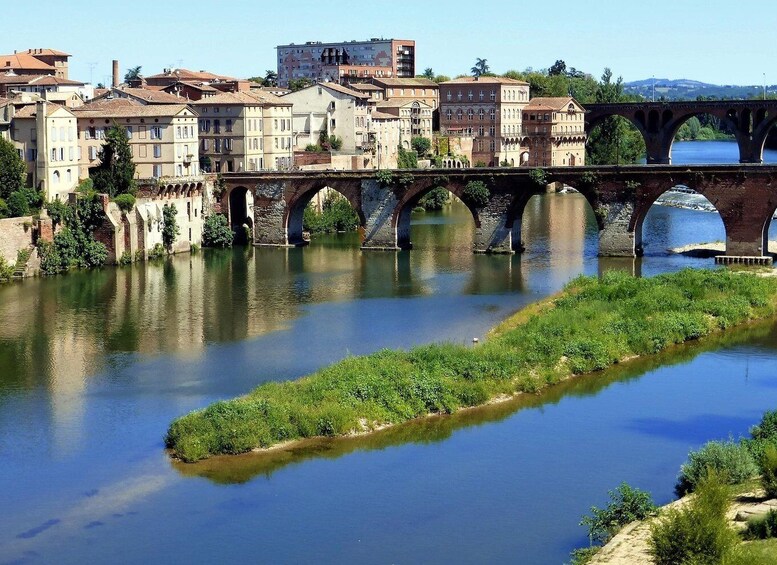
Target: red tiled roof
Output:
[(550, 103), (23, 61), (186, 74), (50, 52), (126, 108)]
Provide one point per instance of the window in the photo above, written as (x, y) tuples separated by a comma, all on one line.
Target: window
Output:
[(481, 113), (493, 114), (179, 170), (56, 177), (143, 150), (217, 145), (216, 126), (157, 151), (53, 154), (228, 125), (69, 176), (92, 153), (469, 95), (470, 114), (449, 113), (493, 95), (449, 96), (53, 134), (70, 153), (156, 132), (157, 173)]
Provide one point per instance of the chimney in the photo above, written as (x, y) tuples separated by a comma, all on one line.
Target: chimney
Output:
[(115, 73)]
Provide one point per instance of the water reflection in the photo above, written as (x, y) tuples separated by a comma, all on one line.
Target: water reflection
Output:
[(243, 468)]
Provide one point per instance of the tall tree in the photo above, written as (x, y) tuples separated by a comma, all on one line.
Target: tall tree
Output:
[(558, 68), (270, 78), (115, 174), (614, 141), (428, 73), (12, 169), (133, 73), (481, 67)]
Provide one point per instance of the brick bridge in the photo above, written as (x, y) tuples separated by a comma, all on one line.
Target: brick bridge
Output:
[(745, 196), (658, 122)]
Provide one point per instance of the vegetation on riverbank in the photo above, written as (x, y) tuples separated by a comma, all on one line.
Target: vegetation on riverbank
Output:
[(336, 215), (590, 326), (698, 528)]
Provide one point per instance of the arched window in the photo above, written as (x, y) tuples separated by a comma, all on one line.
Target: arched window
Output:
[(481, 113), (56, 177)]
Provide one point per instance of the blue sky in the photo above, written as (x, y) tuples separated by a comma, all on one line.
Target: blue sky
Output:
[(712, 41)]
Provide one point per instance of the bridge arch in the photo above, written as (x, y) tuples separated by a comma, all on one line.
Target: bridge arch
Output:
[(295, 208), (404, 208), (672, 126), (239, 203)]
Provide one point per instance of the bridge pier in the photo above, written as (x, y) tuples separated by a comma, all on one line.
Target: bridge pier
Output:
[(615, 238), (492, 235), (269, 215), (381, 232)]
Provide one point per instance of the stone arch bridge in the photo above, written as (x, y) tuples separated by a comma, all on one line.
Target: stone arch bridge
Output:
[(745, 196), (658, 122)]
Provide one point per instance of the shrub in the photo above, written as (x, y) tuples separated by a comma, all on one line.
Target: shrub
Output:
[(126, 258), (435, 199), (420, 144), (5, 211), (730, 460), (385, 177), (761, 527), (626, 505), (59, 212), (313, 148), (476, 193), (18, 204), (170, 229), (216, 232), (6, 269), (337, 215), (156, 252), (480, 164), (769, 471), (538, 177), (406, 159), (698, 533), (125, 202), (335, 142)]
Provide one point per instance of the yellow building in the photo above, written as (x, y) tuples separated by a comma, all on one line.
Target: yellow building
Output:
[(163, 137), (46, 137), (245, 131), (553, 133)]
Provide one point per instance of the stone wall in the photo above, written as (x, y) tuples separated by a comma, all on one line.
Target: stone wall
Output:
[(15, 234)]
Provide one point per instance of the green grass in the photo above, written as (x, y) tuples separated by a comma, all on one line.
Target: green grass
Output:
[(593, 324)]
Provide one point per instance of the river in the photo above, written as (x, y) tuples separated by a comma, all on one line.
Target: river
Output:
[(95, 365)]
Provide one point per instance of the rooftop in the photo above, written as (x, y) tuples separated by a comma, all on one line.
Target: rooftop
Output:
[(550, 103), (243, 98), (23, 61), (187, 75), (126, 108), (422, 82), (486, 80)]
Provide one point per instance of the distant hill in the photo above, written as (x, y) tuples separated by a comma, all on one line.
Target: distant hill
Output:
[(686, 89)]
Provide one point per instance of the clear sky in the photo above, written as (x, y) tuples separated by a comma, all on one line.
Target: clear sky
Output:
[(723, 42)]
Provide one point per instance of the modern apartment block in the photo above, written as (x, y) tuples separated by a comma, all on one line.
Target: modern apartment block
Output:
[(346, 61), (245, 131), (490, 111), (163, 137)]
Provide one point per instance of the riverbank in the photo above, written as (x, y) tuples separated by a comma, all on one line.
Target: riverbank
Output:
[(592, 325)]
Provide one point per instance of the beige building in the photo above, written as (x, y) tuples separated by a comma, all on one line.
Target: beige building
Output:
[(415, 119), (553, 133), (46, 137), (385, 131), (163, 137), (408, 89), (490, 111), (332, 110), (245, 131), (36, 62)]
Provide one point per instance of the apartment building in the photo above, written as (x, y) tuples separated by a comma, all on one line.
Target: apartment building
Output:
[(330, 109), (553, 133), (36, 62), (346, 61), (490, 111), (44, 85), (415, 119), (245, 131), (385, 137), (163, 137), (46, 137)]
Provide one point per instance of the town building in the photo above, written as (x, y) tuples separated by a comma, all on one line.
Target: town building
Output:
[(415, 119), (346, 61), (11, 83), (163, 137), (489, 110), (386, 139), (46, 137), (36, 62), (173, 80), (245, 131), (328, 109), (553, 133), (408, 89)]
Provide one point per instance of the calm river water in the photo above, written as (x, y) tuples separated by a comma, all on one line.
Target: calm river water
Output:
[(94, 366)]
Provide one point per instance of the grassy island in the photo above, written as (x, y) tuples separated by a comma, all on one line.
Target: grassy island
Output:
[(591, 325)]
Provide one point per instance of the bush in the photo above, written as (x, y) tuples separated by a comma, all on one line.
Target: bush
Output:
[(626, 505), (170, 229), (385, 177), (420, 144), (730, 460), (337, 215), (476, 193), (125, 202), (6, 269), (769, 471), (435, 199), (406, 159), (126, 258), (58, 211), (698, 533), (18, 204), (335, 142), (5, 211), (156, 252), (762, 527), (538, 177), (216, 232)]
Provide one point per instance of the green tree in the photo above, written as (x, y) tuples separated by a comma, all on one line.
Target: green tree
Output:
[(270, 78), (133, 73), (406, 159), (12, 169), (428, 73), (170, 229), (614, 141), (296, 84), (115, 174), (216, 232), (421, 144), (481, 67), (558, 68), (441, 78)]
